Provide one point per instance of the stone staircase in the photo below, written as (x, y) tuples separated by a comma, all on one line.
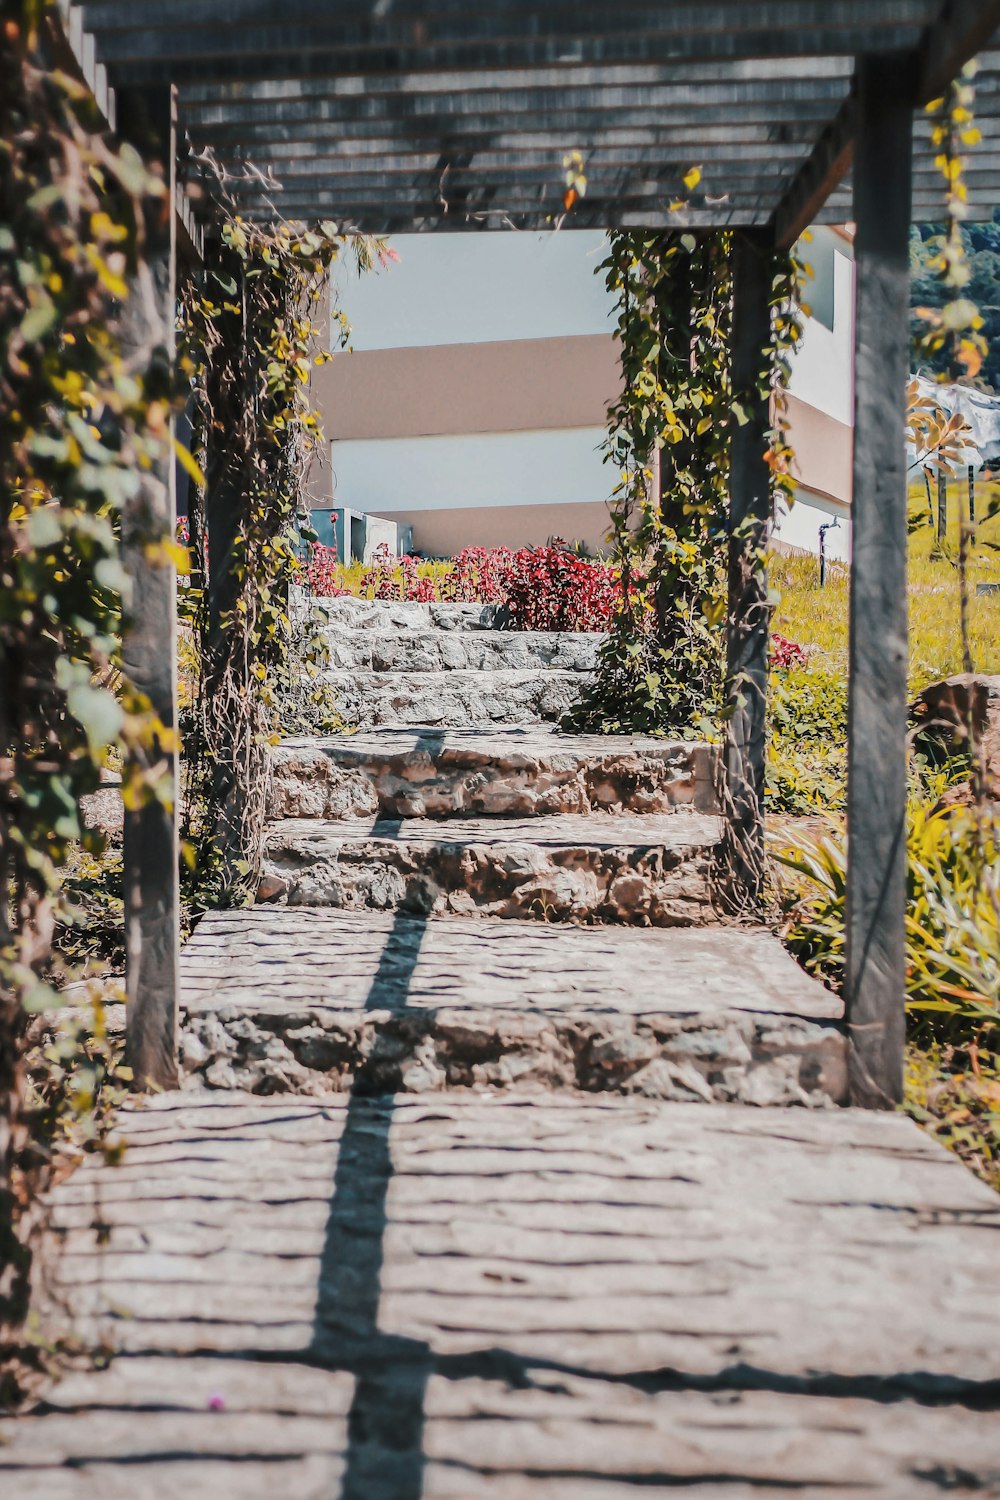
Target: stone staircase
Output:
[(467, 1208), (447, 664), (459, 903)]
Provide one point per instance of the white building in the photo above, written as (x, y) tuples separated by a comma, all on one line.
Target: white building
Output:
[(473, 406)]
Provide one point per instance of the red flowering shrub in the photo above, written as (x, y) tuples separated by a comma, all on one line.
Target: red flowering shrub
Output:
[(479, 575), (322, 572), (551, 588), (542, 588), (786, 653)]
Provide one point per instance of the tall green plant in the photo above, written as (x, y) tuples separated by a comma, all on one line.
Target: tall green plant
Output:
[(77, 424), (952, 916), (253, 337), (661, 669)]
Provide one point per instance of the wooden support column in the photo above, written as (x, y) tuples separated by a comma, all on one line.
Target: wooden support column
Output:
[(149, 637), (226, 478), (876, 817), (229, 477), (942, 503), (748, 614)]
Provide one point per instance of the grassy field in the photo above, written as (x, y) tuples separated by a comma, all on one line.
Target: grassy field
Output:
[(817, 617), (807, 764)]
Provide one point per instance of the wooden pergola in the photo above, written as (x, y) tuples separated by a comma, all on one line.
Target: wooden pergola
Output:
[(392, 115)]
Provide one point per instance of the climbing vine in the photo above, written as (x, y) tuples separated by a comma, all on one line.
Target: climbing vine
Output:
[(79, 420), (253, 337), (957, 326), (957, 329), (954, 331), (662, 668)]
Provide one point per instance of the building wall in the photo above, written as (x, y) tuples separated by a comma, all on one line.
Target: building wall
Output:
[(473, 404)]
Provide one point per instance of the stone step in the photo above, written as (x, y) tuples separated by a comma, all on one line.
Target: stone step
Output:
[(457, 699), (351, 613), (434, 773), (460, 650), (279, 999), (651, 871), (500, 1298)]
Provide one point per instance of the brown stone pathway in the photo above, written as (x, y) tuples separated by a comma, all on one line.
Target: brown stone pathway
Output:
[(461, 1297)]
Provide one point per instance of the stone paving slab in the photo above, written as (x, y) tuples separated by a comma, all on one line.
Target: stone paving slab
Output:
[(304, 1001), (384, 1299), (456, 699), (427, 772), (436, 650), (351, 613), (655, 870)]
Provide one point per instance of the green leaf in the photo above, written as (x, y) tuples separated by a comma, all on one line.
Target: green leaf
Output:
[(99, 713), (43, 526), (37, 321)]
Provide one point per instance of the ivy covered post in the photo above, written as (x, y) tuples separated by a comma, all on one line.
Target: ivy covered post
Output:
[(876, 795), (253, 337), (149, 634), (228, 481), (749, 524)]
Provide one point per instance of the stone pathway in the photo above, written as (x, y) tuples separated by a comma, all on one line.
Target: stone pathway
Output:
[(504, 1168), (460, 1297)]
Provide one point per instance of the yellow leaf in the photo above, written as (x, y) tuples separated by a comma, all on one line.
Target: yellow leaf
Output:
[(692, 178), (189, 463), (167, 551)]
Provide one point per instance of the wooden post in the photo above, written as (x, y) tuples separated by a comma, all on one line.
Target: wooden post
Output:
[(876, 817), (748, 616), (942, 503), (972, 503), (149, 637), (230, 748)]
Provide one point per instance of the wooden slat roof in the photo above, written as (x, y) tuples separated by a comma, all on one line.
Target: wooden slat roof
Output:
[(414, 114)]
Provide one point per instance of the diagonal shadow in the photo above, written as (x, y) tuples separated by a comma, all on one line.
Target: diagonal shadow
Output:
[(385, 1459)]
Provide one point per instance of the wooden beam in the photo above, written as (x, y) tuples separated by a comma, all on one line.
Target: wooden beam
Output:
[(198, 39), (876, 816), (149, 638), (828, 164), (748, 614), (962, 29), (75, 53)]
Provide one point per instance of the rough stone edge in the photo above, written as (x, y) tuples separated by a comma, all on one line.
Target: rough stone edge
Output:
[(335, 779), (648, 886), (732, 1057)]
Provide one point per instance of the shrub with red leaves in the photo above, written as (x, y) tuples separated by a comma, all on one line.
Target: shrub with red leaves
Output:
[(389, 577), (786, 653), (542, 588), (479, 575), (552, 588), (322, 572)]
